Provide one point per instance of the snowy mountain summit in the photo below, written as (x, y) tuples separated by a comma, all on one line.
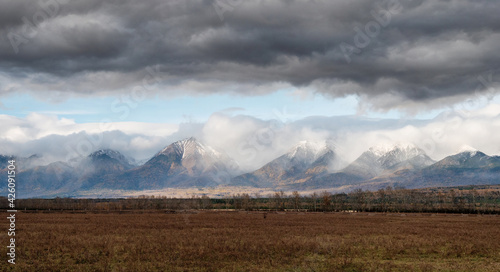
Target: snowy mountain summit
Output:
[(396, 154), (468, 149), (112, 154), (383, 157), (308, 151), (197, 157), (189, 147)]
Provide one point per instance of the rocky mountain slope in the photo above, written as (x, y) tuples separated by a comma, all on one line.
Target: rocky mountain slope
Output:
[(304, 160), (306, 166), (184, 163)]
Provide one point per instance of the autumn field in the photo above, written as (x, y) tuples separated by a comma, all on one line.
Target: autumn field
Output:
[(254, 241)]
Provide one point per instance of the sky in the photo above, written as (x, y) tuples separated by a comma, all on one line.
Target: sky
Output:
[(251, 78)]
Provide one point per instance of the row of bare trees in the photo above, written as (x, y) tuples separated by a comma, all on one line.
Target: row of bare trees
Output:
[(384, 200)]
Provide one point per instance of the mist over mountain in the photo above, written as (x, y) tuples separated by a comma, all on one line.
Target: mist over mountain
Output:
[(4, 161), (100, 165), (308, 165), (464, 168), (184, 163), (57, 177), (300, 162), (385, 158)]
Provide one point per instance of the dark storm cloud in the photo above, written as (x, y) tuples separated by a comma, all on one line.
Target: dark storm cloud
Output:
[(406, 49)]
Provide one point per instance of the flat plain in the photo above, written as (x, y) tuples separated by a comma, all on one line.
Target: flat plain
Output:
[(254, 241)]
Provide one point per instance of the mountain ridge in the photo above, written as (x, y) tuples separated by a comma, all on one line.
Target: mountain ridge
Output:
[(305, 166)]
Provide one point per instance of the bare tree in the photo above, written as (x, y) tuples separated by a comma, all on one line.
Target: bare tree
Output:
[(296, 200), (205, 202), (246, 202), (278, 200), (382, 195), (359, 198), (340, 201), (314, 198), (326, 200)]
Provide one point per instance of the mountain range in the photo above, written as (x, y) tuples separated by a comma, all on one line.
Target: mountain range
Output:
[(303, 161), (306, 166)]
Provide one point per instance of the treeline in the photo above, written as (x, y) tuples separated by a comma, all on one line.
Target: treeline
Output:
[(384, 200)]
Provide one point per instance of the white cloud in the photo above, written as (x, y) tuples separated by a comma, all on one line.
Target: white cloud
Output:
[(250, 141), (36, 126)]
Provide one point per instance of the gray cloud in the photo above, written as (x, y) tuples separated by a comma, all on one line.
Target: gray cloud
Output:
[(390, 53)]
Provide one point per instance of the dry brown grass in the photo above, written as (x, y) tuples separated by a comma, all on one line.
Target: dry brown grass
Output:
[(239, 241)]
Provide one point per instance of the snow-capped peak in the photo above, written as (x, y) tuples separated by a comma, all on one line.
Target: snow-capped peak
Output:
[(198, 157), (380, 150), (190, 147), (308, 150), (110, 153), (390, 155), (468, 149), (405, 147)]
